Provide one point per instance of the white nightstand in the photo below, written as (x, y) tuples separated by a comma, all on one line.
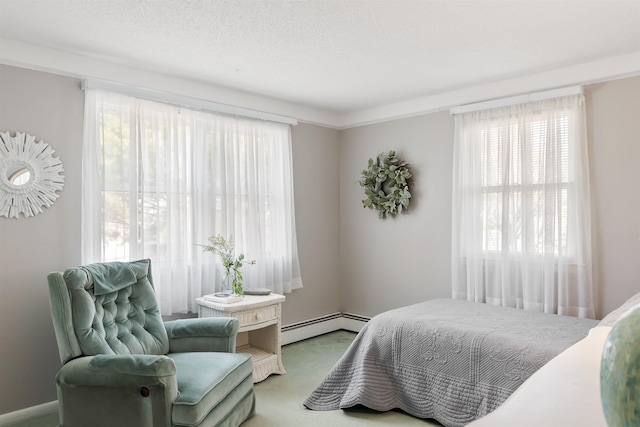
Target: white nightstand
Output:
[(259, 333)]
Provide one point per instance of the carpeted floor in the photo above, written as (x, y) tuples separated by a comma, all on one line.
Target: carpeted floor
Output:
[(279, 398)]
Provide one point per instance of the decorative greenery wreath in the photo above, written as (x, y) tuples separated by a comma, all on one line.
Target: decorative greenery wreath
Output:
[(386, 184)]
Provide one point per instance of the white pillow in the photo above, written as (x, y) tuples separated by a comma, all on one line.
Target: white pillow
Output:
[(613, 317)]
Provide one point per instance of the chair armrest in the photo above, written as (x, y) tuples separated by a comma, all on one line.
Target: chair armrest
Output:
[(202, 334), (118, 370)]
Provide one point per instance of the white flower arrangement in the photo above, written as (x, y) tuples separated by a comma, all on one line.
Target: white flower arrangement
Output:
[(225, 250)]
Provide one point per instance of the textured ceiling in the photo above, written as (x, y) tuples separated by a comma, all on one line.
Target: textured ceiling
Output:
[(338, 56)]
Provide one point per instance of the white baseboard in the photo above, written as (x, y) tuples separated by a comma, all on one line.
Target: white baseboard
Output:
[(320, 326), (290, 334), (29, 413)]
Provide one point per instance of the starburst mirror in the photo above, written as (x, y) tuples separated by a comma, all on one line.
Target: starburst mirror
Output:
[(31, 177)]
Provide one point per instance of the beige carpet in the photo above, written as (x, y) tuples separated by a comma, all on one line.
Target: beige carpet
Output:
[(279, 398)]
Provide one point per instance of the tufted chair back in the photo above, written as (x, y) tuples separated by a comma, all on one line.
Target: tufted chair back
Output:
[(106, 308)]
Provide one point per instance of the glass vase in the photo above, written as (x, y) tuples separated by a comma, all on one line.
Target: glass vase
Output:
[(226, 284)]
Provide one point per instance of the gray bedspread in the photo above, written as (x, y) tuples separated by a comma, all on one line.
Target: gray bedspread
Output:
[(450, 360)]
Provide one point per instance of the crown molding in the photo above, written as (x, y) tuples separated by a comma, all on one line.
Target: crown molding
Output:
[(587, 73), (40, 58), (25, 55)]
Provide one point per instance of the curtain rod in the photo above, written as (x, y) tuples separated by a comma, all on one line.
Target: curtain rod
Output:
[(519, 99), (184, 101)]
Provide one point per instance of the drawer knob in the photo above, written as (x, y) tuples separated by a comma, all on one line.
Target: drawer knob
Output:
[(258, 316)]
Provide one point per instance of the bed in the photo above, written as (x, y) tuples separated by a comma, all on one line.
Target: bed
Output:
[(564, 392), (450, 360)]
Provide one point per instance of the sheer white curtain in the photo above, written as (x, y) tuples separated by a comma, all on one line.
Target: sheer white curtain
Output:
[(521, 209), (159, 179)]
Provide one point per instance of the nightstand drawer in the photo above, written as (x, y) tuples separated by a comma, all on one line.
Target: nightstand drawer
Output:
[(257, 316)]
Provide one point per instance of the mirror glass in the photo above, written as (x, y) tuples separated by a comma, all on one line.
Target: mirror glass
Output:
[(18, 174), (31, 176)]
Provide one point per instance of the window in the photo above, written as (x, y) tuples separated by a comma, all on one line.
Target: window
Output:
[(522, 186), (158, 180), (521, 227)]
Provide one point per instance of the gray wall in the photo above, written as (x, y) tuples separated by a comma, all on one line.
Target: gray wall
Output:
[(350, 260), (50, 108), (317, 187), (613, 117), (403, 260)]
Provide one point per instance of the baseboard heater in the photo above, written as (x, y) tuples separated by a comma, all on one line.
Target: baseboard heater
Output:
[(356, 317), (321, 325)]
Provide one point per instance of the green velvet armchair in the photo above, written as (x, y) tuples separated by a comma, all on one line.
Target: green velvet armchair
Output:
[(124, 366)]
